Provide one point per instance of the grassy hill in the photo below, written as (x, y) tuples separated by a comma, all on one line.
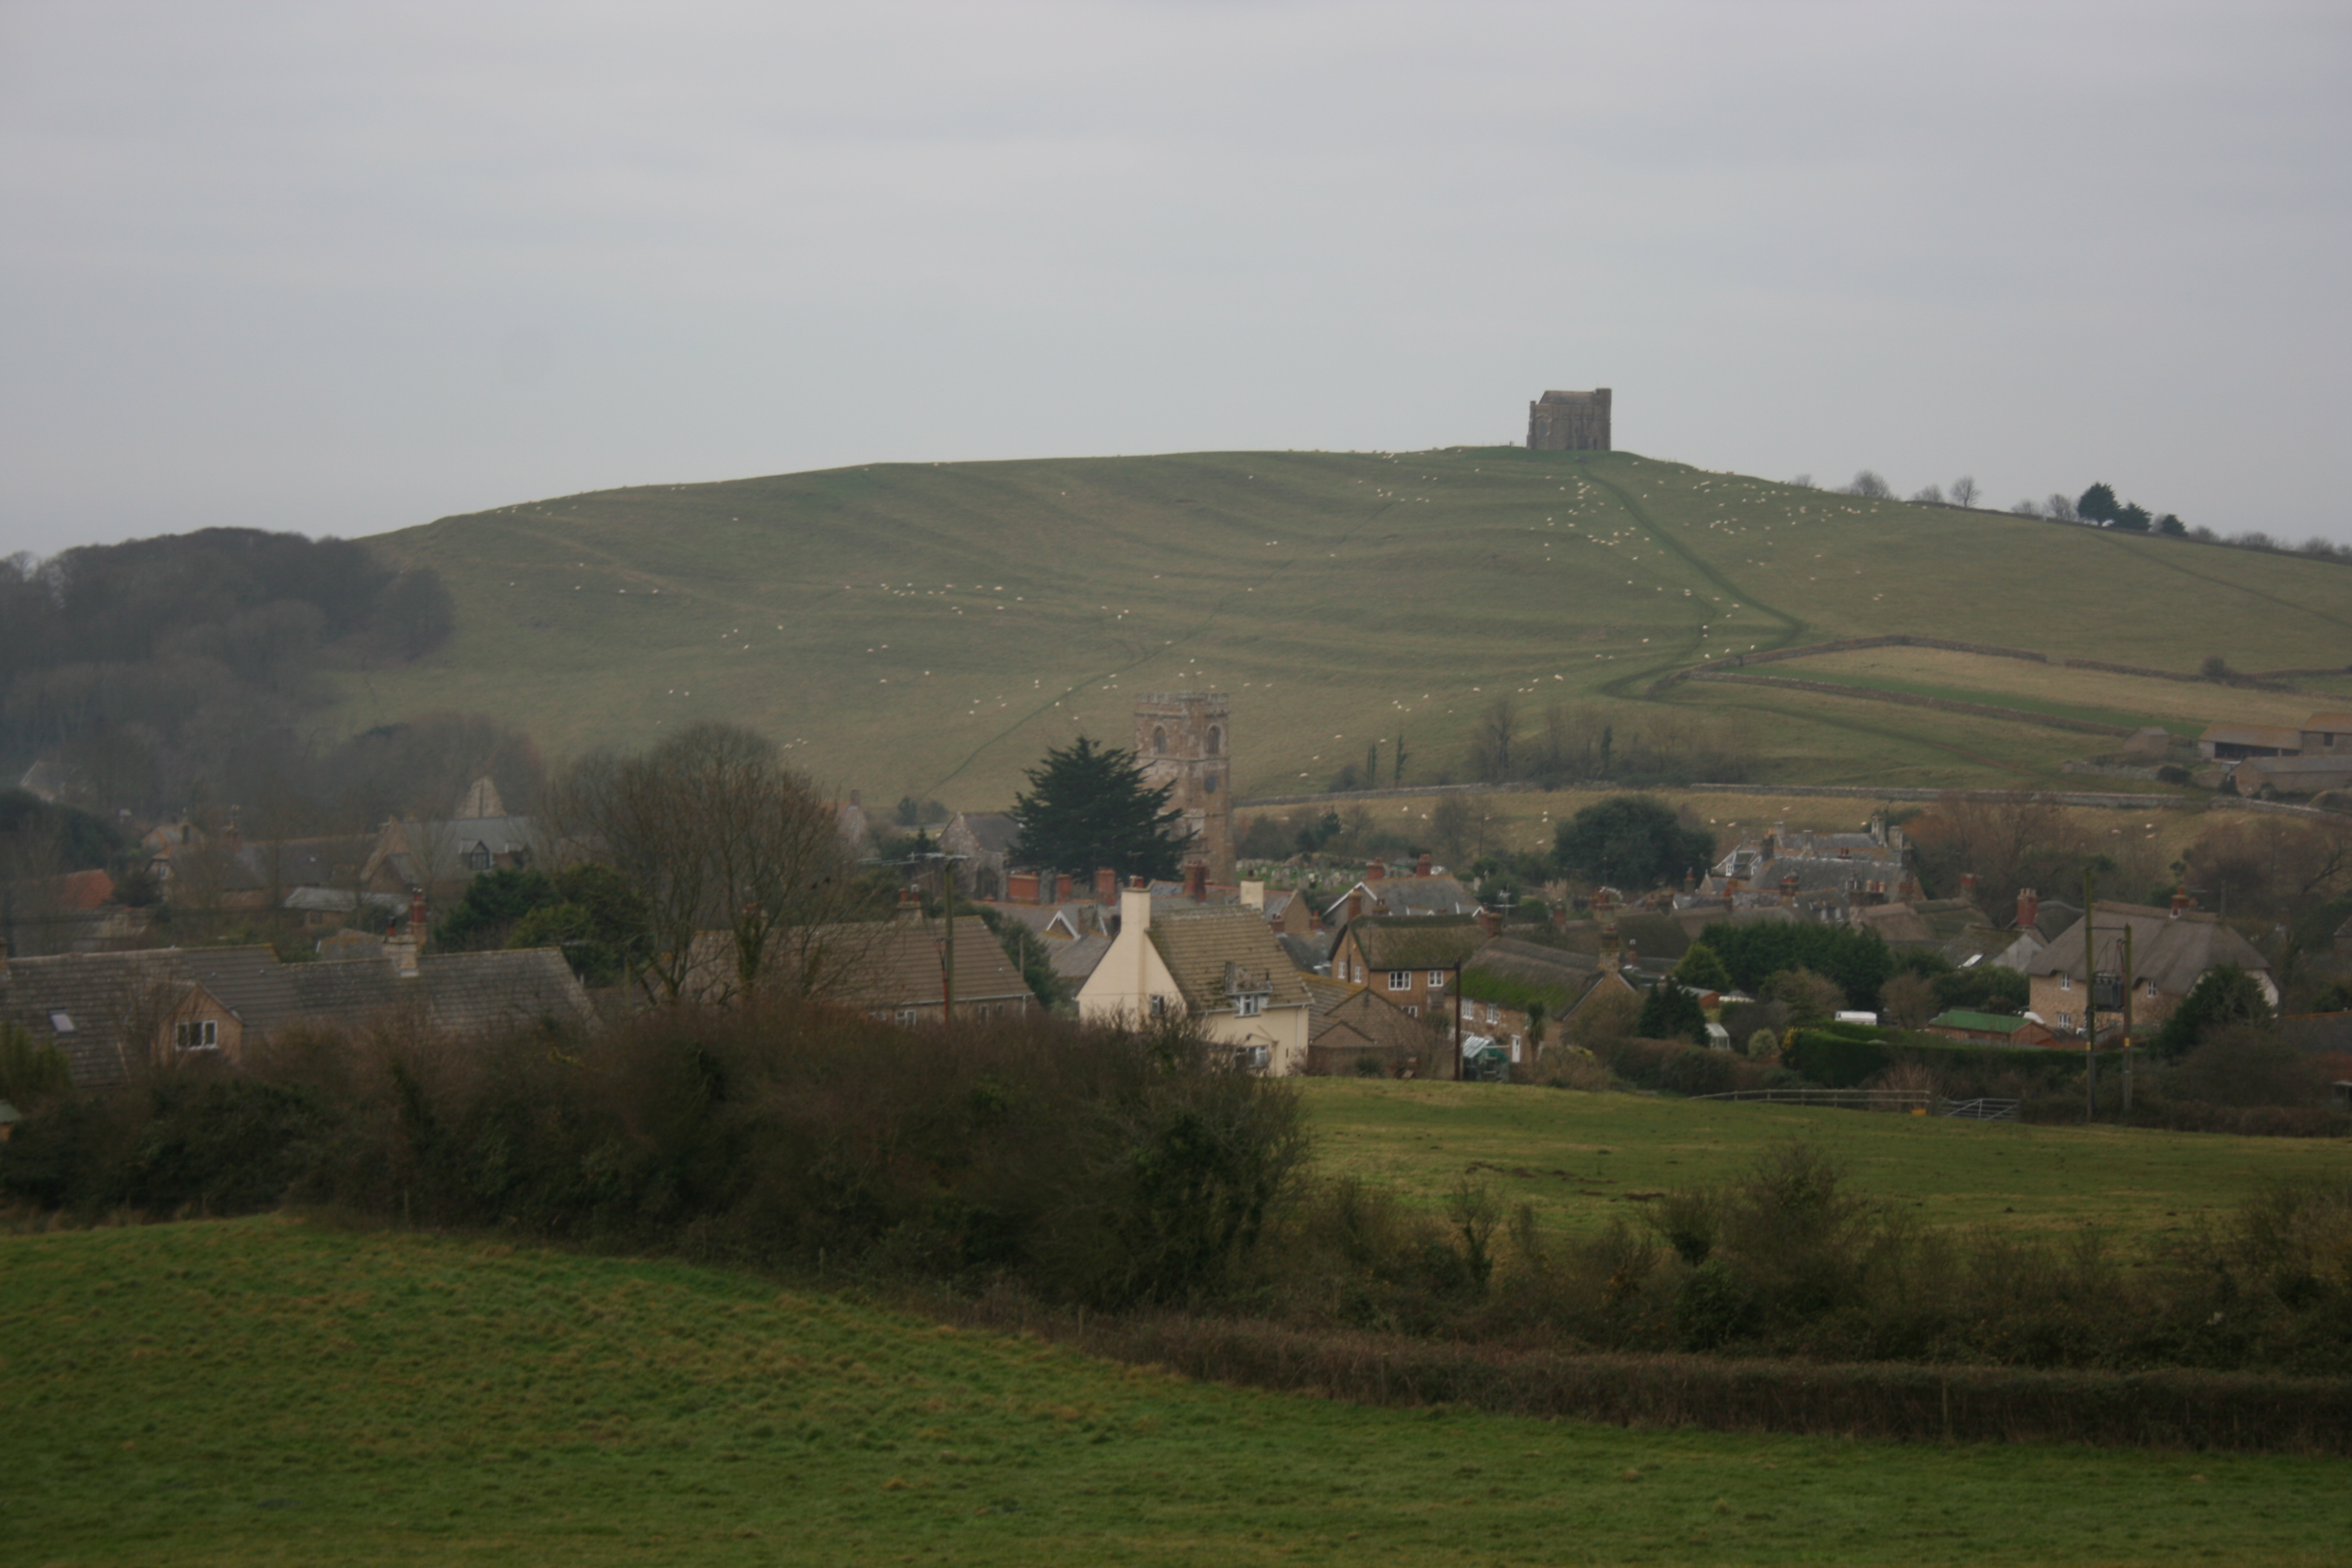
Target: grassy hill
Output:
[(264, 1391), (928, 630)]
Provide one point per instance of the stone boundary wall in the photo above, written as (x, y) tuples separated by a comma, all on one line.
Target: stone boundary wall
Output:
[(1913, 700), (2119, 801), (2274, 807)]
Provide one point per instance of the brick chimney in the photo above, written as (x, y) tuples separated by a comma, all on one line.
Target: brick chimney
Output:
[(1489, 921), (1788, 890), (1105, 885), (1967, 884), (417, 923), (2029, 907), (1355, 904), (1196, 881), (1421, 866), (2179, 902), (1376, 871), (1062, 888)]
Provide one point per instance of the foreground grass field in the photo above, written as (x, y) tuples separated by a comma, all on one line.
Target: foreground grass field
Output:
[(265, 1391), (1584, 1159), (931, 628)]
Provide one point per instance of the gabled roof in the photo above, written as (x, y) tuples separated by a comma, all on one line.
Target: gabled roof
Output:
[(1343, 1015), (85, 1003), (1415, 941), (1560, 975), (1307, 954), (2171, 950), (1074, 960), (992, 832), (2290, 767), (904, 963), (112, 1002), (2339, 722), (1217, 949)]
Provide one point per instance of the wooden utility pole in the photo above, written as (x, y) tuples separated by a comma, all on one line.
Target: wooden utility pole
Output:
[(2127, 1018), (2090, 1003)]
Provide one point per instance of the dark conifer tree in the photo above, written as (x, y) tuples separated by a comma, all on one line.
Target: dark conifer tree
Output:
[(1089, 806)]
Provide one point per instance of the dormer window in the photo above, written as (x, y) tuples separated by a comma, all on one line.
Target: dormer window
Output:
[(1248, 1006), (478, 857), (196, 1034)]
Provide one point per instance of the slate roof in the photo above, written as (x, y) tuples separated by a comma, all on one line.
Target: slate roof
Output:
[(1214, 950), (2173, 950), (85, 1003), (2298, 771), (1415, 942), (1074, 960), (1307, 954), (1437, 894)]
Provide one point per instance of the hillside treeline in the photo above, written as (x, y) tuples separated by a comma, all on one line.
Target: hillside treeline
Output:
[(158, 672)]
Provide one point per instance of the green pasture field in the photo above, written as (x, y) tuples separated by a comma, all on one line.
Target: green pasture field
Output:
[(1800, 670), (1582, 1160), (931, 628), (265, 1391)]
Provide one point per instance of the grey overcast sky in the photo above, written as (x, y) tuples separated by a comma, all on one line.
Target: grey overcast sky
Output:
[(345, 268)]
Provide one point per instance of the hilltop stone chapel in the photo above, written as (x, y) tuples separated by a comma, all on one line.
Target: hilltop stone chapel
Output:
[(1570, 422), (1185, 739)]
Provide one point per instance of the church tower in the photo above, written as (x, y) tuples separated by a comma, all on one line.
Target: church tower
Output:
[(1185, 739)]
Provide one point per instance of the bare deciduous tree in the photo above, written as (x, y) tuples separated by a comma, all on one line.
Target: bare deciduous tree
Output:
[(1965, 491), (1491, 744), (720, 837)]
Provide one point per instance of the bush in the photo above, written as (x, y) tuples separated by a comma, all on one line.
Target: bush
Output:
[(1100, 1167)]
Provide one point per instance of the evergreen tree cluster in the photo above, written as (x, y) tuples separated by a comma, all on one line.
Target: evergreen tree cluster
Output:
[(1089, 805)]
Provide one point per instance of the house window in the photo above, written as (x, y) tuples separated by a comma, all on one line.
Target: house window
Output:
[(477, 858), (907, 1016), (1400, 979), (1248, 1006), (1159, 1007), (2152, 989), (1254, 1057), (1436, 979), (196, 1034), (2065, 1020), (2065, 981), (61, 1023), (1494, 1014), (1359, 972), (1469, 1012), (1412, 1010)]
